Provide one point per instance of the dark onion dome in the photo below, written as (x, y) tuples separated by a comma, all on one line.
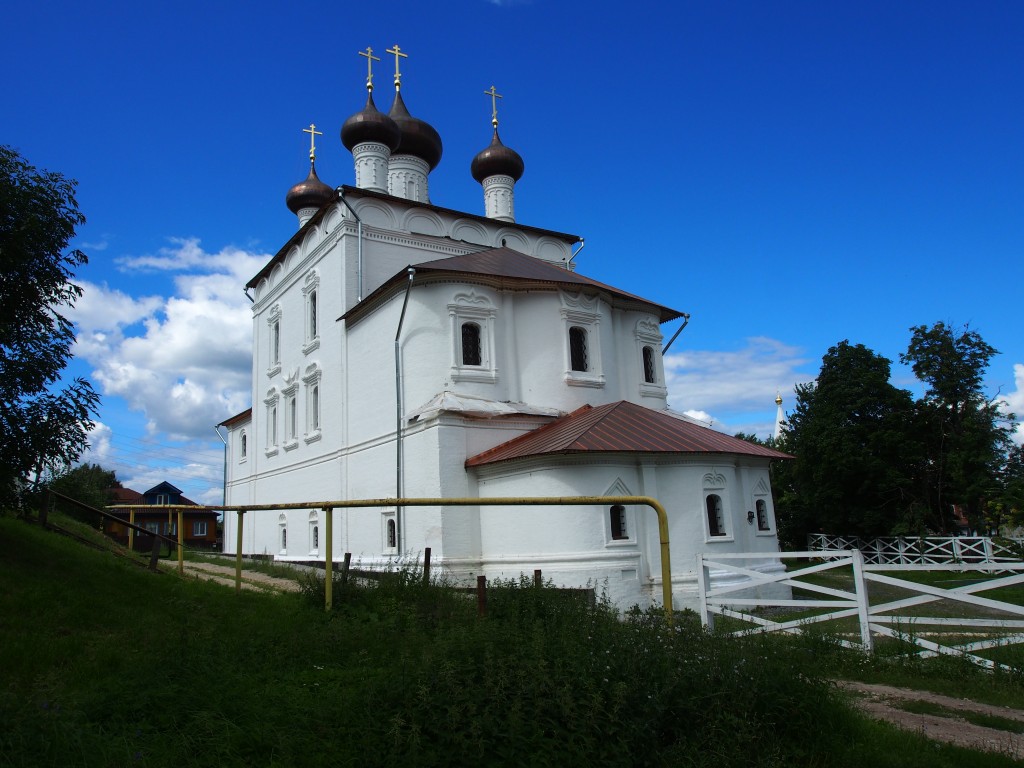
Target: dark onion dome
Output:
[(496, 160), (311, 193), (370, 125), (419, 139)]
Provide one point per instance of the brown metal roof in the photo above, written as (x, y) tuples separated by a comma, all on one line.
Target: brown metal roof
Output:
[(245, 415), (511, 268), (620, 427)]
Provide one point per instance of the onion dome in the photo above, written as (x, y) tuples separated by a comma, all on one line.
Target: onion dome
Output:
[(497, 159), (311, 193), (419, 138), (370, 125)]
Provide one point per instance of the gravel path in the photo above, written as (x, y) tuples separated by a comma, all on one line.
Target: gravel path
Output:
[(878, 701), (224, 574)]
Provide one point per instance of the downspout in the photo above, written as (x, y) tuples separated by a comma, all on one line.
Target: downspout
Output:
[(359, 245), (224, 485), (569, 264), (398, 413), (686, 321)]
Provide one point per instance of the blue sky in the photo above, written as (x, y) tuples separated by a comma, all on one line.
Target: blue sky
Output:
[(790, 173)]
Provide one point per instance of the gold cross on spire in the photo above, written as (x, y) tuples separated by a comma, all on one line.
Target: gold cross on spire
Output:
[(397, 52), (313, 133), (370, 58), (494, 105)]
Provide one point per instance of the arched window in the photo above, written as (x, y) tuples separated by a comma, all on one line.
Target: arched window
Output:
[(650, 375), (282, 524), (617, 515), (578, 348), (762, 515), (316, 537), (392, 534), (314, 408), (716, 517), (244, 445), (293, 418), (312, 315), (272, 427), (471, 351), (275, 342)]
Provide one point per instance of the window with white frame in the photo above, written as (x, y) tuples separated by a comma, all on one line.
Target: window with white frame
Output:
[(274, 340), (716, 515), (311, 382), (761, 509), (272, 401), (581, 321), (648, 345), (290, 392), (199, 528), (282, 533), (390, 531), (617, 521), (314, 533), (472, 322), (311, 295), (716, 506), (243, 446)]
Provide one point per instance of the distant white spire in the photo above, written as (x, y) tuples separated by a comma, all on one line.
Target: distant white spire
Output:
[(779, 416)]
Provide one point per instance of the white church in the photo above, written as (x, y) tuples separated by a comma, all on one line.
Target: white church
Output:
[(403, 349)]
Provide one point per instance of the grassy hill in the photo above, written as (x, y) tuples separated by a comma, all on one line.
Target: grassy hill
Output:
[(104, 663)]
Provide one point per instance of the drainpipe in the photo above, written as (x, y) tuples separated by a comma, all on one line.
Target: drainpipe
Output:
[(224, 485), (686, 321), (569, 264), (359, 245), (398, 414)]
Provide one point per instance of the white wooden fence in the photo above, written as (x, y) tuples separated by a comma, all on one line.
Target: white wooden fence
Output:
[(902, 550), (741, 599)]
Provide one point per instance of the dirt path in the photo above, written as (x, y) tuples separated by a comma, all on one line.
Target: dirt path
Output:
[(224, 574), (878, 701)]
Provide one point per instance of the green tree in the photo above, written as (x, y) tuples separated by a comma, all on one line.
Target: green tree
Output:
[(44, 422), (966, 438), (854, 452), (87, 483)]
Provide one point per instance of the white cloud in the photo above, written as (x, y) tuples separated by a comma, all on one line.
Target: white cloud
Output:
[(1015, 402), (744, 380), (184, 360)]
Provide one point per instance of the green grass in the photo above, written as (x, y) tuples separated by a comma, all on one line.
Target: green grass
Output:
[(103, 663)]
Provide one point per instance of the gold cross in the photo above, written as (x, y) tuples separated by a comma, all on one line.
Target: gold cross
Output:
[(494, 105), (398, 55), (313, 133), (370, 58)]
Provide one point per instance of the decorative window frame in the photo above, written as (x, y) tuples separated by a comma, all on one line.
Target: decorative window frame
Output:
[(648, 334), (311, 311), (243, 447), (583, 312), (282, 534), (473, 307), (314, 532), (272, 402), (714, 484), (274, 340), (389, 532), (290, 391), (199, 527), (619, 488), (762, 497), (314, 402)]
